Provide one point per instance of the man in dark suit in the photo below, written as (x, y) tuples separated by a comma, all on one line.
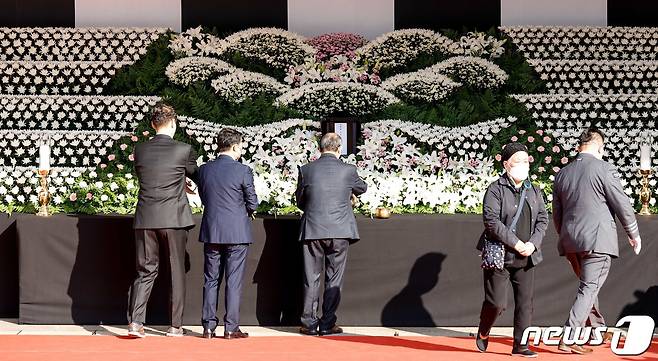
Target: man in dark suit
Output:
[(587, 195), (325, 189), (162, 218), (226, 188)]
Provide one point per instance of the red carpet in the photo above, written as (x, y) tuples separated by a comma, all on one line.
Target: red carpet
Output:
[(105, 348)]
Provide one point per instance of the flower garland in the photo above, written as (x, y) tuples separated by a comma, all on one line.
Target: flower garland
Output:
[(186, 71), (322, 99), (275, 47), (398, 48), (238, 86), (422, 86), (476, 72)]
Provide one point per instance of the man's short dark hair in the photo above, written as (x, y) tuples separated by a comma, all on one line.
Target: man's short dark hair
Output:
[(330, 142), (591, 134), (227, 138), (162, 114)]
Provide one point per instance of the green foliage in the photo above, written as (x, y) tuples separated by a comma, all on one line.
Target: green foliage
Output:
[(147, 75), (252, 64)]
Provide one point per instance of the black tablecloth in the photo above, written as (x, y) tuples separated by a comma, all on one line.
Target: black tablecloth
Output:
[(410, 270)]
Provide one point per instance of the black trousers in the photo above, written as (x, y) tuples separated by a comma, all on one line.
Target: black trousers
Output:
[(496, 285), (229, 260), (330, 254), (147, 245)]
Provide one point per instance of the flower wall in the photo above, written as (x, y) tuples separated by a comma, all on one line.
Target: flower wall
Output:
[(436, 107)]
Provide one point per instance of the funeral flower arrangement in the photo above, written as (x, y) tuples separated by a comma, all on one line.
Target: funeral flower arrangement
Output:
[(573, 77)]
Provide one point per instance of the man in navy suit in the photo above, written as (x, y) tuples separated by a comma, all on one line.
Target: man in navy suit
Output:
[(226, 188)]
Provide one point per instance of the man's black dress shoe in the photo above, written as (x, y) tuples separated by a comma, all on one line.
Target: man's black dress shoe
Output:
[(307, 331), (235, 334), (332, 331), (209, 333)]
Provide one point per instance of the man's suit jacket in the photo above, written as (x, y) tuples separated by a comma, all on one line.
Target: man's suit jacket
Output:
[(162, 165), (324, 190), (587, 195), (226, 189)]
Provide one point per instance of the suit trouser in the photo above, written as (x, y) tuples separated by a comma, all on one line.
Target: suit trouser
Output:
[(223, 260), (496, 285), (147, 245), (593, 269), (332, 255)]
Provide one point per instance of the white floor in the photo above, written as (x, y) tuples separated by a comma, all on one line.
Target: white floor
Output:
[(11, 327)]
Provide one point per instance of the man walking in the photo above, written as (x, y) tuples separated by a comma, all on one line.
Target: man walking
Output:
[(325, 189), (587, 195), (226, 188), (163, 217)]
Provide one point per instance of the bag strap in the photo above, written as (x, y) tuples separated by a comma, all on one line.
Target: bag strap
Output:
[(520, 206)]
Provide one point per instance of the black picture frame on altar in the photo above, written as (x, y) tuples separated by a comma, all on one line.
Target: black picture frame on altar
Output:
[(349, 129)]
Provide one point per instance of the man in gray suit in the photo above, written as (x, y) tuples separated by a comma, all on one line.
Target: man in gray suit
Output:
[(587, 195), (226, 188), (325, 189), (163, 217)]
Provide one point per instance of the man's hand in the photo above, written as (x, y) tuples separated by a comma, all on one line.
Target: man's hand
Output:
[(355, 201), (189, 186), (636, 243), (529, 249)]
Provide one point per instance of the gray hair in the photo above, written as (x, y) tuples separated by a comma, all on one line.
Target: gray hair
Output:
[(330, 142)]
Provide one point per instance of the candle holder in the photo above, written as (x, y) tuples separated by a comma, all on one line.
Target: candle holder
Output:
[(383, 213), (645, 192), (44, 193)]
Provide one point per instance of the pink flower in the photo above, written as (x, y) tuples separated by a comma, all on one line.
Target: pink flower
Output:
[(131, 157), (548, 159), (111, 157), (531, 139), (134, 138), (522, 132), (514, 138), (73, 197), (556, 169), (541, 169), (89, 196), (123, 146), (498, 157), (531, 159), (540, 132), (146, 133), (103, 165), (547, 139), (556, 149), (564, 160), (540, 149)]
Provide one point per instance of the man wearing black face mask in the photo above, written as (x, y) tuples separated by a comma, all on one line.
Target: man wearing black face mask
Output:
[(587, 194)]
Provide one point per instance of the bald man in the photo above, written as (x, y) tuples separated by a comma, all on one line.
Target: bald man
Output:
[(587, 195)]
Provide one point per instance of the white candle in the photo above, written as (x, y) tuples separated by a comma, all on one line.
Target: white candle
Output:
[(645, 156), (44, 157)]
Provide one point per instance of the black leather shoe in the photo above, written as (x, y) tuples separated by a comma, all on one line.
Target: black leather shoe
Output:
[(235, 334), (332, 331), (525, 352), (207, 333), (481, 343), (307, 331)]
